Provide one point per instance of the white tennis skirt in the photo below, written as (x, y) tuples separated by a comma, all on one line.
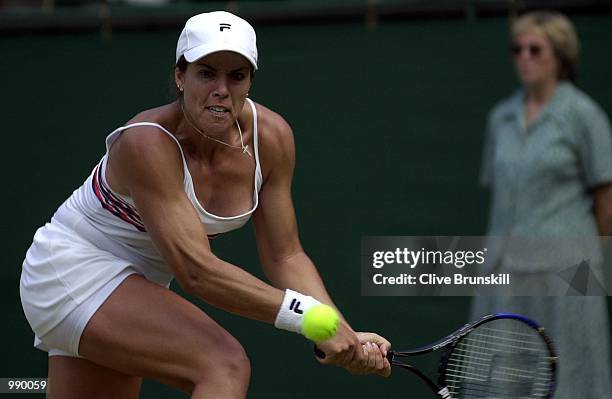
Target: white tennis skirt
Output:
[(64, 280), (64, 339)]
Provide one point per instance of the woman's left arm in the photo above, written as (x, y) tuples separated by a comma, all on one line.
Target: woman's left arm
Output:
[(280, 251), (602, 207), (283, 259), (595, 151)]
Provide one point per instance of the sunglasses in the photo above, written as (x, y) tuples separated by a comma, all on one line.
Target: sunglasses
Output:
[(533, 49)]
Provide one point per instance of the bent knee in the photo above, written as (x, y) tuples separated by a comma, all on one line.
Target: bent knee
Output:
[(231, 357), (226, 360)]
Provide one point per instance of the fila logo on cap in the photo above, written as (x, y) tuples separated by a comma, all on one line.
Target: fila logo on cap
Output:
[(210, 32)]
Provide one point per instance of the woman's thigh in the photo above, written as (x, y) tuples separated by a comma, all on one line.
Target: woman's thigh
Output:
[(148, 331), (75, 378)]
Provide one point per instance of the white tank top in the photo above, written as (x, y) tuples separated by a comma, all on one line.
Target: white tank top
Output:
[(112, 221)]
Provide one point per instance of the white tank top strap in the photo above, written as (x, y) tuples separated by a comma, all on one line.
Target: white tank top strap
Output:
[(258, 174), (111, 138), (255, 141)]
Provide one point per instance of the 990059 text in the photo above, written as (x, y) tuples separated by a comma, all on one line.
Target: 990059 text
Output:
[(23, 385)]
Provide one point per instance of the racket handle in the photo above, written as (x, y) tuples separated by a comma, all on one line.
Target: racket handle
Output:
[(321, 355)]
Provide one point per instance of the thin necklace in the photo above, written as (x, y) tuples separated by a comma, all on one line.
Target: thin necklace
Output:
[(244, 148)]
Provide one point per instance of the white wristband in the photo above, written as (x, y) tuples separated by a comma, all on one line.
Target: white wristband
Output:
[(291, 313)]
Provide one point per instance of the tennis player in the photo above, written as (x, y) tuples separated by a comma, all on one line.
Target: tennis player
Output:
[(94, 282)]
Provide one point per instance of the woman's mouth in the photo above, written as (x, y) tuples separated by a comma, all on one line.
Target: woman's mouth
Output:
[(218, 110)]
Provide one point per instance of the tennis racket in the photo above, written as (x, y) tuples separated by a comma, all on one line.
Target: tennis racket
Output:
[(500, 356)]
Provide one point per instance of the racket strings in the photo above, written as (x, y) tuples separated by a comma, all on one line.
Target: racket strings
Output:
[(501, 359)]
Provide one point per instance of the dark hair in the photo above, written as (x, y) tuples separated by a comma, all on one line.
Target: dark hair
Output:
[(182, 64), (173, 92)]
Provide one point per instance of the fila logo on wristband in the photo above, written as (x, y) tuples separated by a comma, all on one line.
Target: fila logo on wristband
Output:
[(290, 316), (295, 306)]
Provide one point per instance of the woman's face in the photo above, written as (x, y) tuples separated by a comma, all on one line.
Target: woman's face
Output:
[(534, 59), (215, 88)]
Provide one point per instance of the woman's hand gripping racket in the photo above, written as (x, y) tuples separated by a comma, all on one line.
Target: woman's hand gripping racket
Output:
[(500, 356)]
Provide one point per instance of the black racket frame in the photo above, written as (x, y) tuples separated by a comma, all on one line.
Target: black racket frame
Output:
[(449, 342)]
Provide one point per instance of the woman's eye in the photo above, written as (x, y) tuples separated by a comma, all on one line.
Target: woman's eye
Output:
[(205, 73), (238, 75)]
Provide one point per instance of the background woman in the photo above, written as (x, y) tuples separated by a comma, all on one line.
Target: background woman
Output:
[(548, 162)]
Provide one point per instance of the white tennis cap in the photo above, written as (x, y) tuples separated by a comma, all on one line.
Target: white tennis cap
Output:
[(216, 31)]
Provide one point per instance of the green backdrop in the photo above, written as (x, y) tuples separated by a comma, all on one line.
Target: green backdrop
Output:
[(388, 126)]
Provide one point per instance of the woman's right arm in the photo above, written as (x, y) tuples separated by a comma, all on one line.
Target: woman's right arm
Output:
[(147, 164)]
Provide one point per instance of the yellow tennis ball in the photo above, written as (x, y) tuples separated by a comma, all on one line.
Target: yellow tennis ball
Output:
[(320, 323)]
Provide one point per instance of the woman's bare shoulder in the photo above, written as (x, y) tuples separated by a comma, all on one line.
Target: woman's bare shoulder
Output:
[(273, 129), (164, 115)]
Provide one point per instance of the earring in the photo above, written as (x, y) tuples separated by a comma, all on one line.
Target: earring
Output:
[(180, 88)]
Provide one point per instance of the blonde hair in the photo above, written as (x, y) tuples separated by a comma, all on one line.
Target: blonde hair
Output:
[(559, 31)]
